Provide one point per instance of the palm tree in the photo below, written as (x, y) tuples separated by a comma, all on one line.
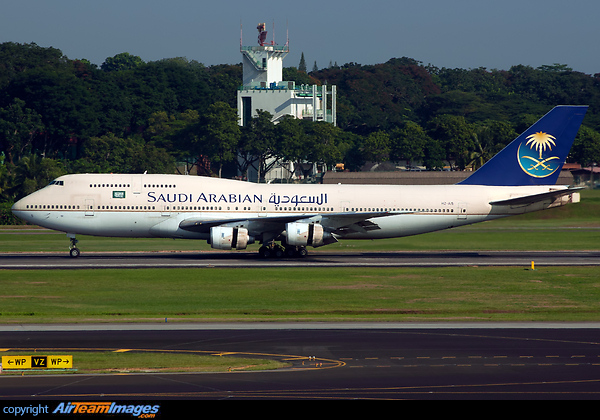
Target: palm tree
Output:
[(34, 172), (480, 155)]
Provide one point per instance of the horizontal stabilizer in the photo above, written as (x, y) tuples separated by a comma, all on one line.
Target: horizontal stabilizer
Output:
[(535, 198)]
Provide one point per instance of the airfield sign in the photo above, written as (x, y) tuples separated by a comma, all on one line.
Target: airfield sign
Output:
[(37, 362)]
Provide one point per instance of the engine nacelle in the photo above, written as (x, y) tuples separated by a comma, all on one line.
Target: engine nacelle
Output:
[(223, 237), (302, 234)]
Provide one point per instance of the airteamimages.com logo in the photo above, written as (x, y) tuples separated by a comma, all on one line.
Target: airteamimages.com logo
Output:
[(141, 411)]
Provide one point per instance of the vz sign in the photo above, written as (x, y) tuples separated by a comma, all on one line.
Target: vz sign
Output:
[(39, 362)]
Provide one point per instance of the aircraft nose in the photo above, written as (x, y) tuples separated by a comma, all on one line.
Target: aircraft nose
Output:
[(18, 208)]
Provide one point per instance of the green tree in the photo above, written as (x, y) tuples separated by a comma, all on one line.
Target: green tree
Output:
[(67, 107), (292, 74), (455, 135), (555, 68), (488, 139), (434, 155), (302, 64), (34, 172), (112, 154), (381, 96), (354, 158), (219, 134), (586, 147), (257, 146), (409, 143), (122, 61), (16, 59), (171, 132), (6, 180), (320, 143), (289, 140), (377, 146), (19, 126)]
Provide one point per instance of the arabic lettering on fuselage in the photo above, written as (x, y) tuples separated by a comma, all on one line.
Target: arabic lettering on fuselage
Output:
[(297, 200), (276, 199)]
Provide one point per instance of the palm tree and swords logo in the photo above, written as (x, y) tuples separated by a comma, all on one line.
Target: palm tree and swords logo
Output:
[(532, 159)]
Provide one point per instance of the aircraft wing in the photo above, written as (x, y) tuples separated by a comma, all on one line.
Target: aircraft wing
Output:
[(341, 223), (204, 225), (332, 222), (535, 198)]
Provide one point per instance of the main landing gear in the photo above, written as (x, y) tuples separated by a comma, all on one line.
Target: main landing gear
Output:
[(73, 250), (273, 250)]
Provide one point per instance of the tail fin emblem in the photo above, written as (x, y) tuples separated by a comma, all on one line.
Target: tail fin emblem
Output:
[(532, 159)]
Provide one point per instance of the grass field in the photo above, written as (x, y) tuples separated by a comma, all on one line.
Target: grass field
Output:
[(320, 294), (307, 294), (140, 361), (494, 235)]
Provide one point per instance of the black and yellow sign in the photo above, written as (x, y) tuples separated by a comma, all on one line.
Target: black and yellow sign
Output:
[(37, 362)]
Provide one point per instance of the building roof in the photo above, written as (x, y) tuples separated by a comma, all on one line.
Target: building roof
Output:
[(593, 169), (412, 177)]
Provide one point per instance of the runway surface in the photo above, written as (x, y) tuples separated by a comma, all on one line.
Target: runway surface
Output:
[(318, 259), (328, 361)]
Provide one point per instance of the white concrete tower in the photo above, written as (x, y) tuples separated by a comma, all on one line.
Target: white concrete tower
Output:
[(263, 64), (263, 86)]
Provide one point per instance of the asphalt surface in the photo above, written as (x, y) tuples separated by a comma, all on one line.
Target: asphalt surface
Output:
[(531, 361), (328, 361), (316, 259)]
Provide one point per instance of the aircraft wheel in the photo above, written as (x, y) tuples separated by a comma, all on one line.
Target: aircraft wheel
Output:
[(290, 251), (271, 251), (302, 252), (264, 252), (278, 252), (74, 252)]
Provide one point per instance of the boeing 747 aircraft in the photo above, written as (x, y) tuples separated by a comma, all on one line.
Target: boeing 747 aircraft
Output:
[(232, 214)]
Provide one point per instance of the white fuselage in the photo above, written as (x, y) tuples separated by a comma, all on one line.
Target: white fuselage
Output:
[(123, 205)]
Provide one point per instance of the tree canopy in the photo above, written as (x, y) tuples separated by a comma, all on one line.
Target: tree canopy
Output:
[(61, 115)]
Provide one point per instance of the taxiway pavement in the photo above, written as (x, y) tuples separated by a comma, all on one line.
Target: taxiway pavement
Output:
[(319, 259), (333, 361)]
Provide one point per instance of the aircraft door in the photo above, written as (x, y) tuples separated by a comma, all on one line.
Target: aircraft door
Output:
[(136, 184), (462, 211), (89, 206)]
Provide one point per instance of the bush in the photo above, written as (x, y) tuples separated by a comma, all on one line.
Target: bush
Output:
[(6, 216)]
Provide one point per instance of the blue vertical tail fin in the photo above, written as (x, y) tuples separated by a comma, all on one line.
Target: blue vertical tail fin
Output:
[(536, 156)]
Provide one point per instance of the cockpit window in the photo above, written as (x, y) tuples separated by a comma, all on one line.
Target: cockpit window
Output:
[(57, 182)]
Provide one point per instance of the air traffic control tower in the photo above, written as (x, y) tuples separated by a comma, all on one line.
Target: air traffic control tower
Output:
[(264, 89)]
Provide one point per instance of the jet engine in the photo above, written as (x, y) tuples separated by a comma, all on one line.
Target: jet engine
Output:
[(223, 237), (302, 234)]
